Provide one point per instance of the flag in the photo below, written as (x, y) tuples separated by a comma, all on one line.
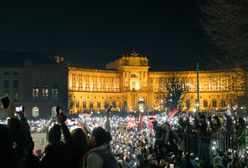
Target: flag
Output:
[(173, 112), (131, 123)]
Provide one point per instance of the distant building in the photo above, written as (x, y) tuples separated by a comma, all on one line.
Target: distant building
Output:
[(41, 83), (128, 80), (34, 80)]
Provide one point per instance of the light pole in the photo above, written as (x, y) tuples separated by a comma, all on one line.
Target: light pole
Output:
[(198, 89)]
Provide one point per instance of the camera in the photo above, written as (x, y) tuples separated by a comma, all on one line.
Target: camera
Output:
[(19, 109)]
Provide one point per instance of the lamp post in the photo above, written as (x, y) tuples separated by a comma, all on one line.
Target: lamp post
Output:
[(198, 89), (198, 103)]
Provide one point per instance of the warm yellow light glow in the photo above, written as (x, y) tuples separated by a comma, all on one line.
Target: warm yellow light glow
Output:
[(129, 78), (137, 86)]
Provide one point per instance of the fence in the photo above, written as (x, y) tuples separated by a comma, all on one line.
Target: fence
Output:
[(207, 145)]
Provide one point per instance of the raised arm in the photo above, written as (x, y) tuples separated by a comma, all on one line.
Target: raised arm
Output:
[(107, 125)]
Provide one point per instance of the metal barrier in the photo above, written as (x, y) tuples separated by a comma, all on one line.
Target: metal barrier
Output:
[(207, 145)]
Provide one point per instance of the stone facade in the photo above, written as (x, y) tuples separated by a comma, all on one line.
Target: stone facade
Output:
[(128, 79), (35, 81)]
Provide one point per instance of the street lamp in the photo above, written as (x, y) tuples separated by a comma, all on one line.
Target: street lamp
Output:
[(141, 105), (197, 103), (198, 89)]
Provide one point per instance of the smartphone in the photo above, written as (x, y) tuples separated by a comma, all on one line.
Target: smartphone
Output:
[(19, 109), (5, 102)]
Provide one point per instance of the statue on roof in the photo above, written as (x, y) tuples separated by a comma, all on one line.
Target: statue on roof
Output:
[(133, 53)]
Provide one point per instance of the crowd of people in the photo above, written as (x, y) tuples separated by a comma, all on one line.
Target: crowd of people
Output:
[(107, 141)]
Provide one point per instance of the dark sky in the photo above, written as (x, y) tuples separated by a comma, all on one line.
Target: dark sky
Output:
[(94, 32)]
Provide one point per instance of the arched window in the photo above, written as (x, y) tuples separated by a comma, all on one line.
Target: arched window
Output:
[(84, 104), (188, 104), (114, 104), (53, 112), (222, 103), (214, 103), (91, 104), (35, 112), (125, 105), (134, 76), (77, 104), (99, 104), (106, 104), (205, 103)]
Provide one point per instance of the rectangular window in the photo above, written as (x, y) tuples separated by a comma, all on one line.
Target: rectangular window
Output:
[(45, 94), (55, 94), (6, 83), (15, 84), (6, 73), (35, 93), (16, 73)]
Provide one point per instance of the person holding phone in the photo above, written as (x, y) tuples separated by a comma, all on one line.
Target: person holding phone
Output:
[(19, 147), (58, 152)]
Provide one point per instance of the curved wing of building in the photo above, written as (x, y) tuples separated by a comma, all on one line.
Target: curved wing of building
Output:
[(128, 80)]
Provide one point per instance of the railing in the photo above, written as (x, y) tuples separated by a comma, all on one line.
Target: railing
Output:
[(208, 145)]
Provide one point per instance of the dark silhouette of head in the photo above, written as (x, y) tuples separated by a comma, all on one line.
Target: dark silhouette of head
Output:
[(79, 140), (54, 134), (241, 122), (58, 110), (100, 136)]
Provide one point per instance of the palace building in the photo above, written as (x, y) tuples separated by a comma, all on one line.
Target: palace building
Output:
[(128, 80)]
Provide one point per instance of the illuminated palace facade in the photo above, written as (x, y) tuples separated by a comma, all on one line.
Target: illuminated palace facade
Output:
[(128, 80)]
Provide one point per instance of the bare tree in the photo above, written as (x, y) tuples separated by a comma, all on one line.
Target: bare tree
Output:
[(226, 25)]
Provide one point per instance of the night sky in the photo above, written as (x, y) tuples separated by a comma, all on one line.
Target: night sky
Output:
[(95, 32)]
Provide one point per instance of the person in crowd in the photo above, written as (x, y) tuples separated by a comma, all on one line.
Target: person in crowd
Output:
[(32, 159), (217, 162), (58, 153), (8, 157), (159, 145), (16, 145), (100, 155), (80, 146), (241, 134)]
